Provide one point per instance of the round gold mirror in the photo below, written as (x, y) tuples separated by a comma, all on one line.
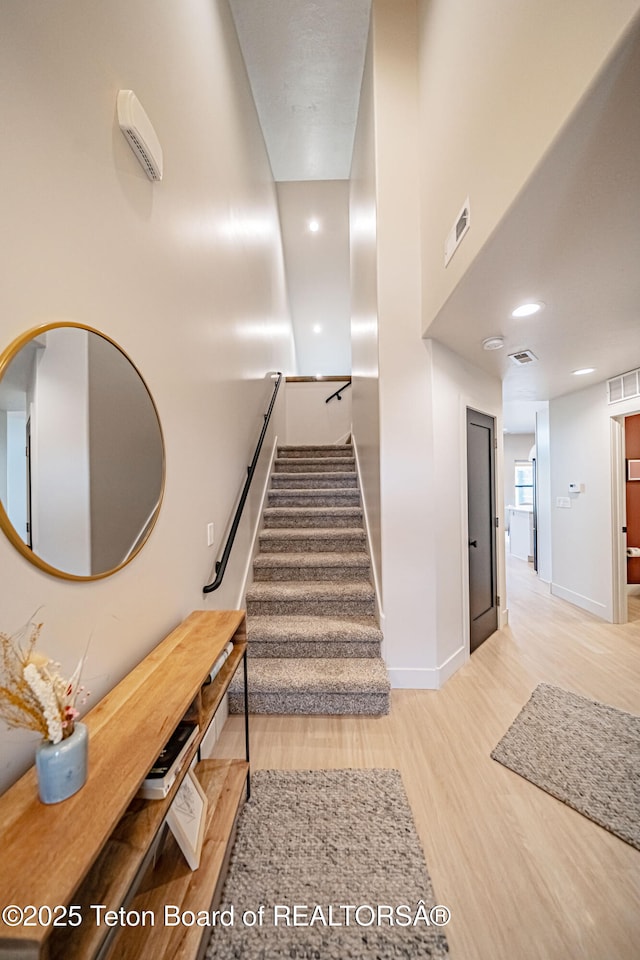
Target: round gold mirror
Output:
[(81, 452)]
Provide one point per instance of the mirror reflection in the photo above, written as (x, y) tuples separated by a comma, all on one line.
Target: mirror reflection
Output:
[(81, 452)]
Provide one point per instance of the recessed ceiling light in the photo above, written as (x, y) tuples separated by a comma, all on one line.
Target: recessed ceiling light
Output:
[(527, 309), (582, 371), (493, 343), (313, 225), (317, 328)]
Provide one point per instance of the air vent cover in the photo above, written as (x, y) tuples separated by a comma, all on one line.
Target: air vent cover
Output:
[(138, 130), (624, 387), (523, 357)]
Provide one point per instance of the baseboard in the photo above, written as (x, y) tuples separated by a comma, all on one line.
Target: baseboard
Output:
[(423, 678), (248, 570), (585, 603), (374, 571)]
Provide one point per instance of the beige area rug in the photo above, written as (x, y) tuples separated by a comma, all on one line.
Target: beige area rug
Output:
[(582, 752), (323, 862)]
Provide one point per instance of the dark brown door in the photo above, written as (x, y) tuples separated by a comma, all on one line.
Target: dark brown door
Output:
[(483, 606)]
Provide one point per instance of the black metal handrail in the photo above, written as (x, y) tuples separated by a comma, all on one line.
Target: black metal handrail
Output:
[(339, 392), (221, 565)]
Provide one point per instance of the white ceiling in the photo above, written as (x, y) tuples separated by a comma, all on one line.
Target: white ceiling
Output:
[(305, 60), (571, 239)]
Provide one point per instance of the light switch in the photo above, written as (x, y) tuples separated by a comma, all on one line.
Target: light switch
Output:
[(209, 534), (563, 502)]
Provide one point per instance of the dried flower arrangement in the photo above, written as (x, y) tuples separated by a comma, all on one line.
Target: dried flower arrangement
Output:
[(33, 695)]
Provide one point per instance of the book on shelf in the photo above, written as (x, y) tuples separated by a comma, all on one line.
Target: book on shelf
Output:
[(163, 773), (219, 663)]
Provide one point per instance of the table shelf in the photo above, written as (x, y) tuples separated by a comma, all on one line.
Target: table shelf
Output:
[(97, 846)]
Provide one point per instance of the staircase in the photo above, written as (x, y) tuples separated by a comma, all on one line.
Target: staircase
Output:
[(314, 642)]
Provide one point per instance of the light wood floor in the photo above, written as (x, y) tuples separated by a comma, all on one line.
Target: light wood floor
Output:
[(525, 877)]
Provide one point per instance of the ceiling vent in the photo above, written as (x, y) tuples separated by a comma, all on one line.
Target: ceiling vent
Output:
[(523, 357), (624, 387)]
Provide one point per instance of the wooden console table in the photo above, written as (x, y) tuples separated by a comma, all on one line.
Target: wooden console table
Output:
[(95, 851)]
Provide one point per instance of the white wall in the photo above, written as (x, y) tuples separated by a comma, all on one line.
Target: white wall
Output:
[(364, 315), (310, 419), (498, 80), (317, 270), (581, 536), (409, 395), (458, 385), (160, 267), (406, 467)]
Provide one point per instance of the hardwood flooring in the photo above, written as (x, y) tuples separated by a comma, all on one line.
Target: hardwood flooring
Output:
[(525, 877)]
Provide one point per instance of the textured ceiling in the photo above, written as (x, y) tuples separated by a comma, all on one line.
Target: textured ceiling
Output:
[(305, 60)]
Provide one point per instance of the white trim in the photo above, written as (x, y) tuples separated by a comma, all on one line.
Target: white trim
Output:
[(413, 678), (374, 572), (423, 678), (467, 403), (248, 570), (618, 515), (593, 606)]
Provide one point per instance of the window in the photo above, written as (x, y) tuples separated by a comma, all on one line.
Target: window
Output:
[(523, 483)]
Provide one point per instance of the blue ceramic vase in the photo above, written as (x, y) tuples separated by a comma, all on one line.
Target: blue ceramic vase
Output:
[(62, 767)]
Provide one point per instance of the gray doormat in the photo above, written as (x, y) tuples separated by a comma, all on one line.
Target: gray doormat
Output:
[(342, 846), (582, 752)]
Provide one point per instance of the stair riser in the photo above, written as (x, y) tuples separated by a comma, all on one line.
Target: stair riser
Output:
[(318, 466), (354, 544), (288, 649), (284, 498), (291, 518), (328, 574), (311, 607), (317, 481), (312, 704)]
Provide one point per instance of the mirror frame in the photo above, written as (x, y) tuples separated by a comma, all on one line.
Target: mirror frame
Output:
[(6, 526)]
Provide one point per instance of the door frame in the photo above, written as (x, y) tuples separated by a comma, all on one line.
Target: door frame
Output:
[(619, 609), (470, 403)]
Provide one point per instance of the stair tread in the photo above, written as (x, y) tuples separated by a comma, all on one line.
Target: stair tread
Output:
[(301, 533), (312, 560), (315, 675), (315, 446), (301, 628), (300, 492), (314, 511), (312, 461), (311, 475), (310, 590)]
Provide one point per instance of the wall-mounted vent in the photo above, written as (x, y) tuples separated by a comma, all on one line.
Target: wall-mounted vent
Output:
[(523, 357), (142, 138), (457, 232), (624, 387)]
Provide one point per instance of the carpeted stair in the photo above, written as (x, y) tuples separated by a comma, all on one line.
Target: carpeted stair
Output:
[(314, 642)]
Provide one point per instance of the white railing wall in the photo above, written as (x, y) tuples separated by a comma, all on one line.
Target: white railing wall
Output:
[(309, 419)]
